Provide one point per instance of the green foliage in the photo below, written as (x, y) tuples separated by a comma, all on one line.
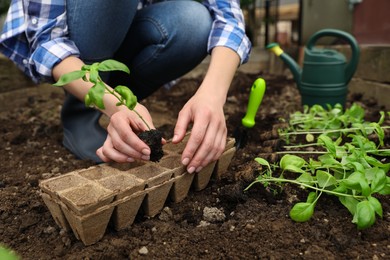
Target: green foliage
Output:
[(350, 165), (95, 95), (332, 121), (7, 254)]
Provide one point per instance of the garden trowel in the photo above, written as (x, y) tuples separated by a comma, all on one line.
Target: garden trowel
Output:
[(248, 121)]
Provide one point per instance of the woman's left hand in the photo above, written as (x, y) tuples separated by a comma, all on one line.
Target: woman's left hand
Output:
[(208, 135)]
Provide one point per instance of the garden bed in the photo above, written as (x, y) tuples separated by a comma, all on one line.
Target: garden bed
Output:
[(220, 221)]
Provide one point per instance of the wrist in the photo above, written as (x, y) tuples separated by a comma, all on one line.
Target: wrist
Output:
[(110, 106)]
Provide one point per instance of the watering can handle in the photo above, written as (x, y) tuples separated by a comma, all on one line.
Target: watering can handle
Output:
[(352, 65)]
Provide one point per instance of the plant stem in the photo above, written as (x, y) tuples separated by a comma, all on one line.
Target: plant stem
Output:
[(143, 120), (301, 152), (310, 187), (112, 92), (318, 131), (301, 145), (324, 152)]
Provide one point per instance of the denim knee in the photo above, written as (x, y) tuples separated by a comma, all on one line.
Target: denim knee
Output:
[(98, 27)]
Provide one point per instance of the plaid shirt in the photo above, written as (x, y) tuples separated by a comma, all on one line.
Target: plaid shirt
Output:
[(35, 34)]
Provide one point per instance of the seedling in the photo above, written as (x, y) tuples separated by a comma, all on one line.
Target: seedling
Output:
[(8, 254), (348, 165), (94, 97)]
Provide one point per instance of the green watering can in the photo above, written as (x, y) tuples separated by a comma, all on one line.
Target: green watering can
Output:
[(325, 74)]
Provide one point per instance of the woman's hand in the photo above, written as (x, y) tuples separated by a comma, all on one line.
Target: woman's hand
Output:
[(122, 143), (208, 135), (205, 109)]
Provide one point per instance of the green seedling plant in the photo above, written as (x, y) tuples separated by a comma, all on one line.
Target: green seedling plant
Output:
[(348, 165), (7, 254), (94, 97), (125, 97), (331, 120)]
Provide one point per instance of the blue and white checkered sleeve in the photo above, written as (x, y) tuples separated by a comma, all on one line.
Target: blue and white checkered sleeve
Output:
[(49, 54), (47, 33), (228, 28)]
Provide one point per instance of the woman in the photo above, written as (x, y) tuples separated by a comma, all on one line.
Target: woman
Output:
[(158, 41)]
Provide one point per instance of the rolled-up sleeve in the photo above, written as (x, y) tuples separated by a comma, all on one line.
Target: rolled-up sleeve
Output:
[(47, 36), (228, 27)]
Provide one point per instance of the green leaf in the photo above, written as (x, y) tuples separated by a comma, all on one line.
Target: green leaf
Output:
[(386, 189), (328, 142), (340, 189), (302, 211), (382, 118), (355, 112), (365, 215), (87, 101), (357, 181), (94, 73), (374, 162), (292, 162), (311, 197), (325, 179), (127, 96), (306, 178), (113, 65), (350, 203), (8, 254), (379, 131), (358, 166), (96, 94), (69, 77), (293, 168), (263, 162), (377, 177), (86, 67), (328, 160), (376, 205)]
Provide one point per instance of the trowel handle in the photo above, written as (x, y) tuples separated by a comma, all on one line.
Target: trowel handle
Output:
[(255, 98)]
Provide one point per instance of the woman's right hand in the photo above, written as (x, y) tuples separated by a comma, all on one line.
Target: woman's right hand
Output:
[(122, 143)]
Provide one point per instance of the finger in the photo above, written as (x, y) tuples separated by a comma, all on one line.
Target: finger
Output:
[(99, 153), (163, 141), (108, 153), (206, 151), (126, 141), (196, 139), (143, 119), (181, 126), (211, 148), (130, 150), (216, 152)]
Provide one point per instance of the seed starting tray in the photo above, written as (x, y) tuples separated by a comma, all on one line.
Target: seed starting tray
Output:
[(85, 201)]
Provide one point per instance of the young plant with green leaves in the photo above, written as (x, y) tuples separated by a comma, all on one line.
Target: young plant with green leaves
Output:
[(332, 121), (350, 166), (94, 97), (8, 254), (125, 97)]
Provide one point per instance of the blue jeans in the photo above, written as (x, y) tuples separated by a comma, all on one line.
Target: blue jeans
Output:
[(159, 43)]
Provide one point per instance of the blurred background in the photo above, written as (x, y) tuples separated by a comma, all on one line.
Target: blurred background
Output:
[(292, 22)]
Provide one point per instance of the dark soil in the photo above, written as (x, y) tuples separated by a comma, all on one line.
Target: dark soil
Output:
[(153, 139), (254, 224)]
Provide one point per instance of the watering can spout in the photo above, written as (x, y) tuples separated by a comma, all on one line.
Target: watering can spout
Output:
[(290, 62), (326, 72)]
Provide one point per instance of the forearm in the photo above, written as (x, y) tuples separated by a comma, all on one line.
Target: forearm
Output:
[(79, 88), (222, 68)]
